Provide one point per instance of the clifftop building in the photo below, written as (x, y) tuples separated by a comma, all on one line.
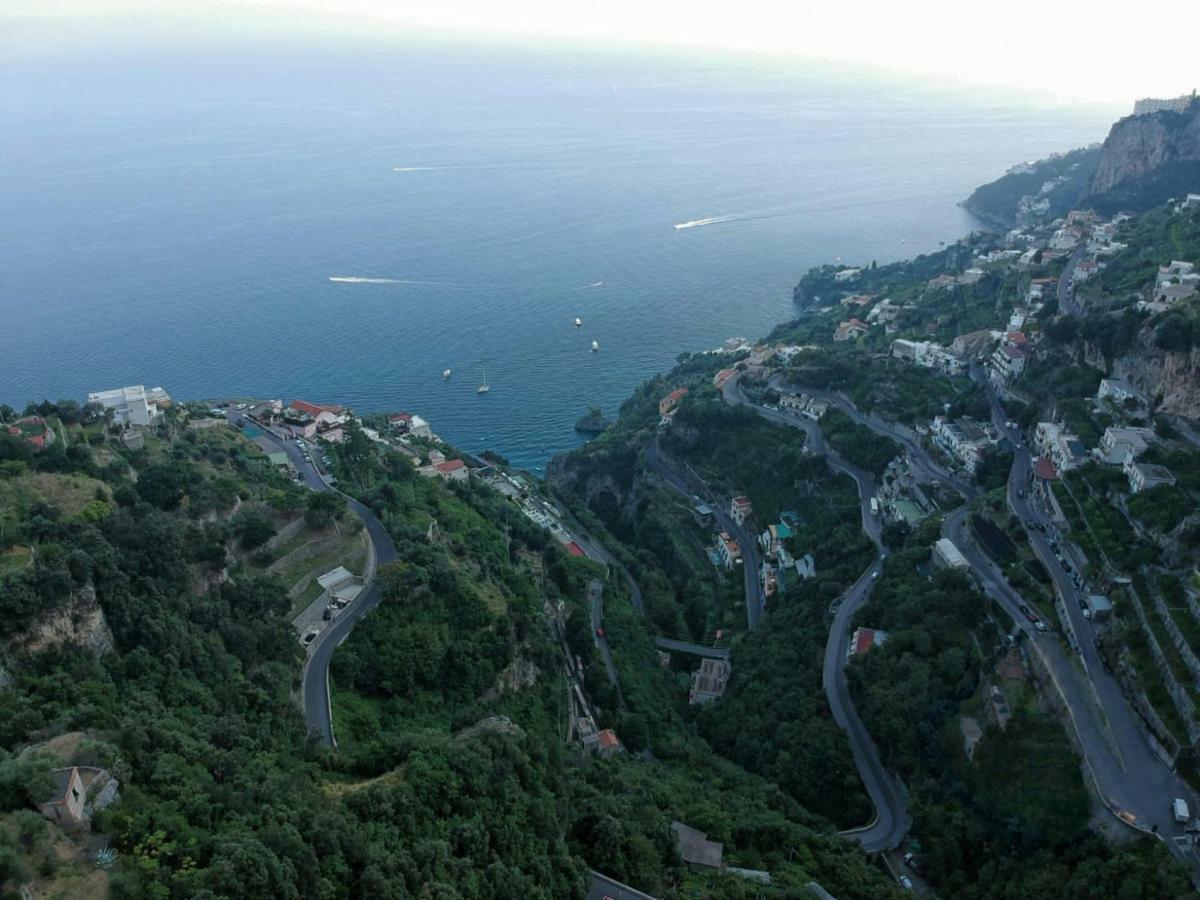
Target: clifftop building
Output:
[(1148, 105), (132, 405)]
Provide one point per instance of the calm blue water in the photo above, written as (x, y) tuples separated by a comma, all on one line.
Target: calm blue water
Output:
[(176, 220)]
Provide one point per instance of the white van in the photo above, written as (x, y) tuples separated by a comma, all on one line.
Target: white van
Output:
[(1180, 809)]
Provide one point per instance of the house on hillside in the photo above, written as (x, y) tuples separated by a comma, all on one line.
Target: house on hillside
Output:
[(740, 509), (854, 328), (1118, 391), (695, 849), (1116, 444), (77, 792), (964, 441), (453, 470), (709, 681), (948, 556), (1008, 362), (669, 405), (728, 552), (863, 639), (1143, 476), (65, 805), (33, 430), (132, 405)]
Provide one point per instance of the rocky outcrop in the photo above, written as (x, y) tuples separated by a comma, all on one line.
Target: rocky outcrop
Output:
[(79, 621), (1138, 145), (1171, 379), (1146, 160)]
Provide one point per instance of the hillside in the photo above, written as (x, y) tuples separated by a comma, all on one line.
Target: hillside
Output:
[(1144, 161), (146, 603)]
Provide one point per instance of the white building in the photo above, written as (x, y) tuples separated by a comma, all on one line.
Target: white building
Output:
[(948, 556), (1148, 105), (729, 551), (1008, 362), (1118, 390), (419, 428), (1143, 476), (1118, 443), (928, 355), (964, 441), (132, 405)]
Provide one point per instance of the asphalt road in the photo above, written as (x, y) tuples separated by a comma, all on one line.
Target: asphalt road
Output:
[(690, 648), (921, 461), (1127, 772), (595, 591), (892, 820), (314, 691)]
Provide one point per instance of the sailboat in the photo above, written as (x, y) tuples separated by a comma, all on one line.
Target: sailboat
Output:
[(485, 387), (595, 346), (578, 322), (446, 374)]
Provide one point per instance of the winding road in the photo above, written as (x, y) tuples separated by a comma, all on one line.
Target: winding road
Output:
[(314, 678), (892, 817), (1129, 775)]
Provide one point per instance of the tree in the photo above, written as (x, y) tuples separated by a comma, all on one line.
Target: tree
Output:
[(253, 529), (323, 509)]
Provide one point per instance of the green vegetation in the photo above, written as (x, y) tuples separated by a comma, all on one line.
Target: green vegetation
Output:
[(858, 443), (1012, 819), (894, 389), (997, 201)]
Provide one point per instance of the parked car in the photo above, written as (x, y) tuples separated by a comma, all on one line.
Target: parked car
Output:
[(310, 636), (910, 860), (906, 883), (600, 632), (1039, 624)]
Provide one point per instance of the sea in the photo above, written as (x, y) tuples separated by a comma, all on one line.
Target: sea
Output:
[(341, 221)]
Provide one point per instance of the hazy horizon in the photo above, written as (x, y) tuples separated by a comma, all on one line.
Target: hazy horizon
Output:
[(917, 48)]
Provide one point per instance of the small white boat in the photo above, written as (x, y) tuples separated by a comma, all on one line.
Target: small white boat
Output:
[(578, 322), (446, 374), (595, 346), (484, 387)]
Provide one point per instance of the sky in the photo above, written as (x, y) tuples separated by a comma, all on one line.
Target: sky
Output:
[(1075, 50)]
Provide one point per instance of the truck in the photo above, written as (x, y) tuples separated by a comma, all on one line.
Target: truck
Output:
[(874, 506), (1179, 809)]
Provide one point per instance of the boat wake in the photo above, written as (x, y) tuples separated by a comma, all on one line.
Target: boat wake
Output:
[(416, 168), (594, 284), (359, 279), (711, 220)]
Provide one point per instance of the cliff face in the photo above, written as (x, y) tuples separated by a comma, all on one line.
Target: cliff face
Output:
[(80, 621), (1175, 377), (1146, 159)]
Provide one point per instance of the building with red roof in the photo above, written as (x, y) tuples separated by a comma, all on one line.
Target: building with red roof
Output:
[(608, 744), (1044, 469), (668, 404), (864, 639), (315, 409), (453, 470), (33, 430), (740, 509), (722, 377)]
